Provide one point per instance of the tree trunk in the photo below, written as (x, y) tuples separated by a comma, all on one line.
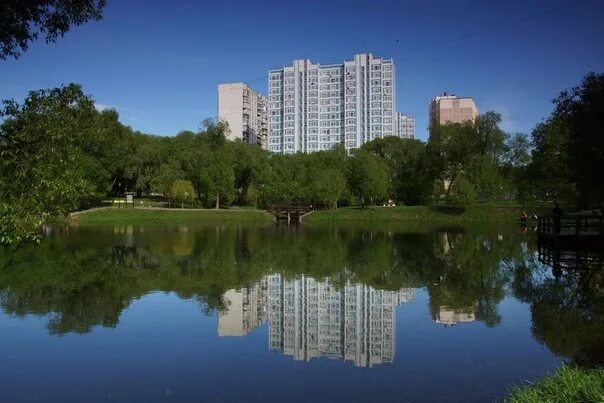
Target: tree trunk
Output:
[(217, 201)]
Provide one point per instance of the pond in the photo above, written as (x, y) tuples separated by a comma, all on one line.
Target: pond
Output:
[(297, 314)]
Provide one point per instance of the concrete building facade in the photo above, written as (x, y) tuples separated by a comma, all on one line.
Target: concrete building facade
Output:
[(316, 107), (245, 111), (452, 109), (404, 126)]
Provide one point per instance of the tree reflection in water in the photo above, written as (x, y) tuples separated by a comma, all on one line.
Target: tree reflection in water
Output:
[(85, 277)]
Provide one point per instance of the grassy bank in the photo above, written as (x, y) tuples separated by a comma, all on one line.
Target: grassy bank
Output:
[(569, 384), (116, 216), (427, 214)]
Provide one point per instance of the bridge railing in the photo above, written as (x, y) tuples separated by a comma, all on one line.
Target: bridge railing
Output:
[(571, 225)]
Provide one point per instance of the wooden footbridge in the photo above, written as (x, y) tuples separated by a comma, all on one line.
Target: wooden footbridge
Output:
[(290, 212)]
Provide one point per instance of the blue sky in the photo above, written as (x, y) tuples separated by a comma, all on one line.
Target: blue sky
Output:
[(159, 62)]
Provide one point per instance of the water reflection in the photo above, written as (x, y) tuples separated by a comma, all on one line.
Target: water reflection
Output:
[(324, 292)]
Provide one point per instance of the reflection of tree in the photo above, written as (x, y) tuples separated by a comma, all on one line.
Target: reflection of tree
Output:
[(567, 312), (88, 278)]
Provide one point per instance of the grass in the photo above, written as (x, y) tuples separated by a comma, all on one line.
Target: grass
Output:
[(425, 214), (568, 384), (168, 216)]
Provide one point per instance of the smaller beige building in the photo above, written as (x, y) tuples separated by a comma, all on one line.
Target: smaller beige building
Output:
[(245, 111), (449, 108)]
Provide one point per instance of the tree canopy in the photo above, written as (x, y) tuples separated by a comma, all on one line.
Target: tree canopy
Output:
[(23, 22)]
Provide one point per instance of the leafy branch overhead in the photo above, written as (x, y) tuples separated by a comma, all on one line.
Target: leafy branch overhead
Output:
[(23, 22)]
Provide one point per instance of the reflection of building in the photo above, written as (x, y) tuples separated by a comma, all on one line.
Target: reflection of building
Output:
[(310, 318), (450, 317), (246, 310)]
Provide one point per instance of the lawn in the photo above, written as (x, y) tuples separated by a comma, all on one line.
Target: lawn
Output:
[(428, 214), (114, 215)]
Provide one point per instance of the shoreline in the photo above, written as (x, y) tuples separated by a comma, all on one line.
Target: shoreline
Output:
[(439, 215)]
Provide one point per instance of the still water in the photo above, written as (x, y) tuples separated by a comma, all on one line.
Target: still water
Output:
[(296, 314)]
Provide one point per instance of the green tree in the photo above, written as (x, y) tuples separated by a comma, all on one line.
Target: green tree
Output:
[(548, 171), (46, 168), (452, 150), (23, 22), (218, 178), (368, 177), (411, 179), (462, 193), (581, 110), (328, 187), (182, 191)]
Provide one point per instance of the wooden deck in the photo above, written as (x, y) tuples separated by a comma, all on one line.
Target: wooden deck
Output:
[(572, 231)]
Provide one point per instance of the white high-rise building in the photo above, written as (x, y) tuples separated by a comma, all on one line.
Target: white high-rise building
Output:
[(244, 109), (316, 107), (404, 126)]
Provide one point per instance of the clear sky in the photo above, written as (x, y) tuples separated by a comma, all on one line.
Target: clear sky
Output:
[(159, 62)]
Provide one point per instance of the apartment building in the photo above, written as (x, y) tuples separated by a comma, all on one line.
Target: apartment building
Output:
[(245, 111), (316, 107), (449, 108), (404, 126), (310, 318)]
